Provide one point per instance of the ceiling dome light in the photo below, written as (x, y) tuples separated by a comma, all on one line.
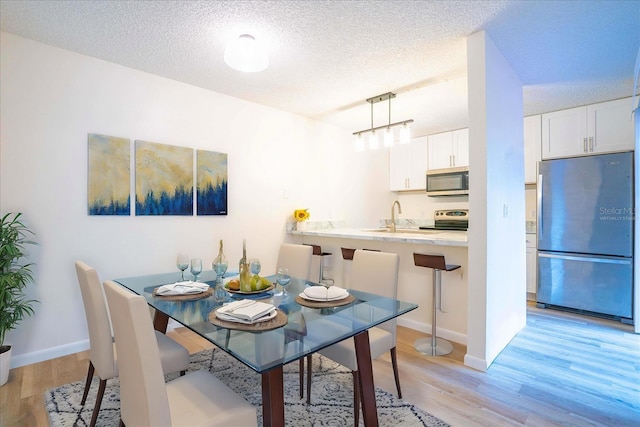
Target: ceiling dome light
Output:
[(246, 54)]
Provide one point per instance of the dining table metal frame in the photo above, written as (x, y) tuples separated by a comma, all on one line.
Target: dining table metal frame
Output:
[(267, 352)]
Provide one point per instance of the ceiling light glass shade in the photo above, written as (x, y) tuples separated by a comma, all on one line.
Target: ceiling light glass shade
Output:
[(246, 54), (359, 142), (388, 137), (373, 141), (405, 134)]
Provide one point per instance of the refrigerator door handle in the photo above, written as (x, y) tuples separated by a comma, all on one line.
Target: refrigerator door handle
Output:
[(587, 258), (539, 212)]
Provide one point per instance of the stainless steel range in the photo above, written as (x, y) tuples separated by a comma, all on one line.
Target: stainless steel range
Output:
[(450, 219)]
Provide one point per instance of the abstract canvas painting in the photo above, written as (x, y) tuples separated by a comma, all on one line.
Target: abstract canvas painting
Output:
[(164, 179), (108, 172), (211, 179)]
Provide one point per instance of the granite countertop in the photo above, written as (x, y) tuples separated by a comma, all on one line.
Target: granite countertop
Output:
[(415, 236)]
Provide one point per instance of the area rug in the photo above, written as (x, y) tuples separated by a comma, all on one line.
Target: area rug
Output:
[(331, 396)]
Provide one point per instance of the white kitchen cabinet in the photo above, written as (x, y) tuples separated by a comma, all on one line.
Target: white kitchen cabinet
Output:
[(532, 147), (593, 129), (408, 165), (532, 273), (448, 149)]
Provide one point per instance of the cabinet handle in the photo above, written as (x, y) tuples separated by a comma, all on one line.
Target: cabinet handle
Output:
[(450, 162), (584, 140), (408, 182), (591, 144), (454, 160)]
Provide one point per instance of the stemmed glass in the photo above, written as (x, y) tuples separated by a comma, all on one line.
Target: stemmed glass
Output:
[(255, 267), (196, 268), (220, 267), (283, 279), (182, 263)]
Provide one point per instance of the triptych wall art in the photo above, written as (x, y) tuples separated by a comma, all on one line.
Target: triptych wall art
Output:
[(164, 178)]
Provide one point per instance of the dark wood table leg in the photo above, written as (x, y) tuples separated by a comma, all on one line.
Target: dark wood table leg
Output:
[(160, 321), (273, 398), (365, 374)]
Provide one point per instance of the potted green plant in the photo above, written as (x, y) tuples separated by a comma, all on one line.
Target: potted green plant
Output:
[(14, 278)]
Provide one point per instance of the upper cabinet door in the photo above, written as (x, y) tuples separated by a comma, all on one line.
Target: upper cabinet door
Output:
[(407, 165), (532, 147), (610, 126), (461, 147), (418, 164), (564, 133), (440, 151), (605, 127)]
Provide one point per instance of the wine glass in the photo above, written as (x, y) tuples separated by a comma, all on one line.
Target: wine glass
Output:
[(283, 278), (182, 263), (255, 267), (220, 267), (196, 268)]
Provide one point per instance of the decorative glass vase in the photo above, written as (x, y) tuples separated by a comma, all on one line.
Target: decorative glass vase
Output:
[(301, 225)]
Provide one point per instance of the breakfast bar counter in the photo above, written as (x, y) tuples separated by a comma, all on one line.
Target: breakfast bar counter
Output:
[(405, 235), (414, 283)]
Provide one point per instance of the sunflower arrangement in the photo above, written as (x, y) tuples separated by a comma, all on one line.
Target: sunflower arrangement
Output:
[(301, 215)]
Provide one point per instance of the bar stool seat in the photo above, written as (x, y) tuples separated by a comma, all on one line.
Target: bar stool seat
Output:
[(317, 251), (434, 346)]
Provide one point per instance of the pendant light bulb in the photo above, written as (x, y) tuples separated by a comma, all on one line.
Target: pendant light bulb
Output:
[(388, 137), (359, 142), (373, 141), (405, 134)]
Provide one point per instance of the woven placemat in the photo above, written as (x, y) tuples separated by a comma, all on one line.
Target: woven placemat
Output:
[(277, 322), (188, 297), (324, 304)]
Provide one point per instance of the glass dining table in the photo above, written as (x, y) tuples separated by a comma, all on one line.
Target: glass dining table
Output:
[(307, 331)]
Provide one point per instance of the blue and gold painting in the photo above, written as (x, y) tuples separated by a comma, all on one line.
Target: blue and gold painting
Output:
[(164, 179), (108, 173), (211, 181)]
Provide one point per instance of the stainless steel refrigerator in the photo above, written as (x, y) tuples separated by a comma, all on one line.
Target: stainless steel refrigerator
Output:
[(585, 234)]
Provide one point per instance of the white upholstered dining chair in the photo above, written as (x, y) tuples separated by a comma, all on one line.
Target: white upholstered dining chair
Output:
[(196, 399), (103, 358), (297, 258), (377, 273)]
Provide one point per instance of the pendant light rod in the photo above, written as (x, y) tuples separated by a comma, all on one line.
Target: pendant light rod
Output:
[(404, 122)]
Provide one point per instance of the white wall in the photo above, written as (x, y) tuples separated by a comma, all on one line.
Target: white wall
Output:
[(51, 99), (497, 269)]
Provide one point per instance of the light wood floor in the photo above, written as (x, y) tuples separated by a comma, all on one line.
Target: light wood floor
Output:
[(561, 370)]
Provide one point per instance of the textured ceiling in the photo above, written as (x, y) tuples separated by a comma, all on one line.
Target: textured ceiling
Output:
[(327, 57)]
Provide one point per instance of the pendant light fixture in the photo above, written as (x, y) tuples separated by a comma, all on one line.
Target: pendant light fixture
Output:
[(247, 54), (387, 130)]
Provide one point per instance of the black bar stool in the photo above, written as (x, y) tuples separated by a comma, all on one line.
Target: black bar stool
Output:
[(317, 250), (434, 346)]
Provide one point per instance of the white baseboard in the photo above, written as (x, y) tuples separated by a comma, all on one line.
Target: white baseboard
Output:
[(426, 328), (476, 363), (49, 353)]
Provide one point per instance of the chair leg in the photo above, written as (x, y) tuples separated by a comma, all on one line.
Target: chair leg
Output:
[(301, 376), (87, 385), (394, 363), (96, 408), (356, 398), (309, 376)]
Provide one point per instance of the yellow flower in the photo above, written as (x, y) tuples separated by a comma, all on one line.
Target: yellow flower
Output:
[(301, 214)]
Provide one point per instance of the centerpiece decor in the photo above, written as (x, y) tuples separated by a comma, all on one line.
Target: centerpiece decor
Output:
[(14, 278), (301, 216)]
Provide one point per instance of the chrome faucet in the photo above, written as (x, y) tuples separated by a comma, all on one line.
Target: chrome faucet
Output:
[(393, 215)]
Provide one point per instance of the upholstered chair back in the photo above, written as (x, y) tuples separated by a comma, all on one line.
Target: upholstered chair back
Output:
[(297, 258)]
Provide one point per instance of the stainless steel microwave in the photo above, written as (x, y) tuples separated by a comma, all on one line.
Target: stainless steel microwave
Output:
[(448, 182)]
